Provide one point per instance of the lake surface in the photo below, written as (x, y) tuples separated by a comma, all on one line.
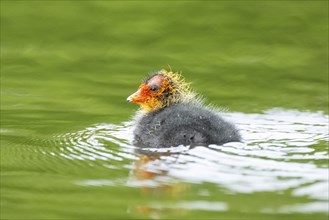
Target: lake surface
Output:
[(67, 68)]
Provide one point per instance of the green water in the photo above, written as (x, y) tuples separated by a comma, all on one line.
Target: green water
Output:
[(67, 68)]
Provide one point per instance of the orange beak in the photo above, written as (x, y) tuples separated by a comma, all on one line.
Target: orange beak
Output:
[(136, 97)]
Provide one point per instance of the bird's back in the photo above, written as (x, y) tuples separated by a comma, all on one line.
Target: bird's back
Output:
[(183, 124)]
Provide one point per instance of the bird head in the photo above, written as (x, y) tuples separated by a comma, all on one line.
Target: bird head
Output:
[(160, 90)]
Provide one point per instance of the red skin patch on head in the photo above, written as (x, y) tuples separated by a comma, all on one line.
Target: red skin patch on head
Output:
[(155, 80)]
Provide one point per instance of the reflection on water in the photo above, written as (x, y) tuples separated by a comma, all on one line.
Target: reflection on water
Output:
[(279, 155)]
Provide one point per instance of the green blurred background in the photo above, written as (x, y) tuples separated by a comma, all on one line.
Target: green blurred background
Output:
[(68, 64)]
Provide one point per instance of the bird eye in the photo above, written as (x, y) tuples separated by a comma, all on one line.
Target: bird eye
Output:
[(154, 89)]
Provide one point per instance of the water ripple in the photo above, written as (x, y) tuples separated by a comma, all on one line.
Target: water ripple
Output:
[(90, 144), (283, 150)]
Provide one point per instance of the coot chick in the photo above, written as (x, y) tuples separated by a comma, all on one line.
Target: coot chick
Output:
[(171, 115)]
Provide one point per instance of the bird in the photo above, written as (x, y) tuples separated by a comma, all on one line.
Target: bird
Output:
[(172, 114)]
